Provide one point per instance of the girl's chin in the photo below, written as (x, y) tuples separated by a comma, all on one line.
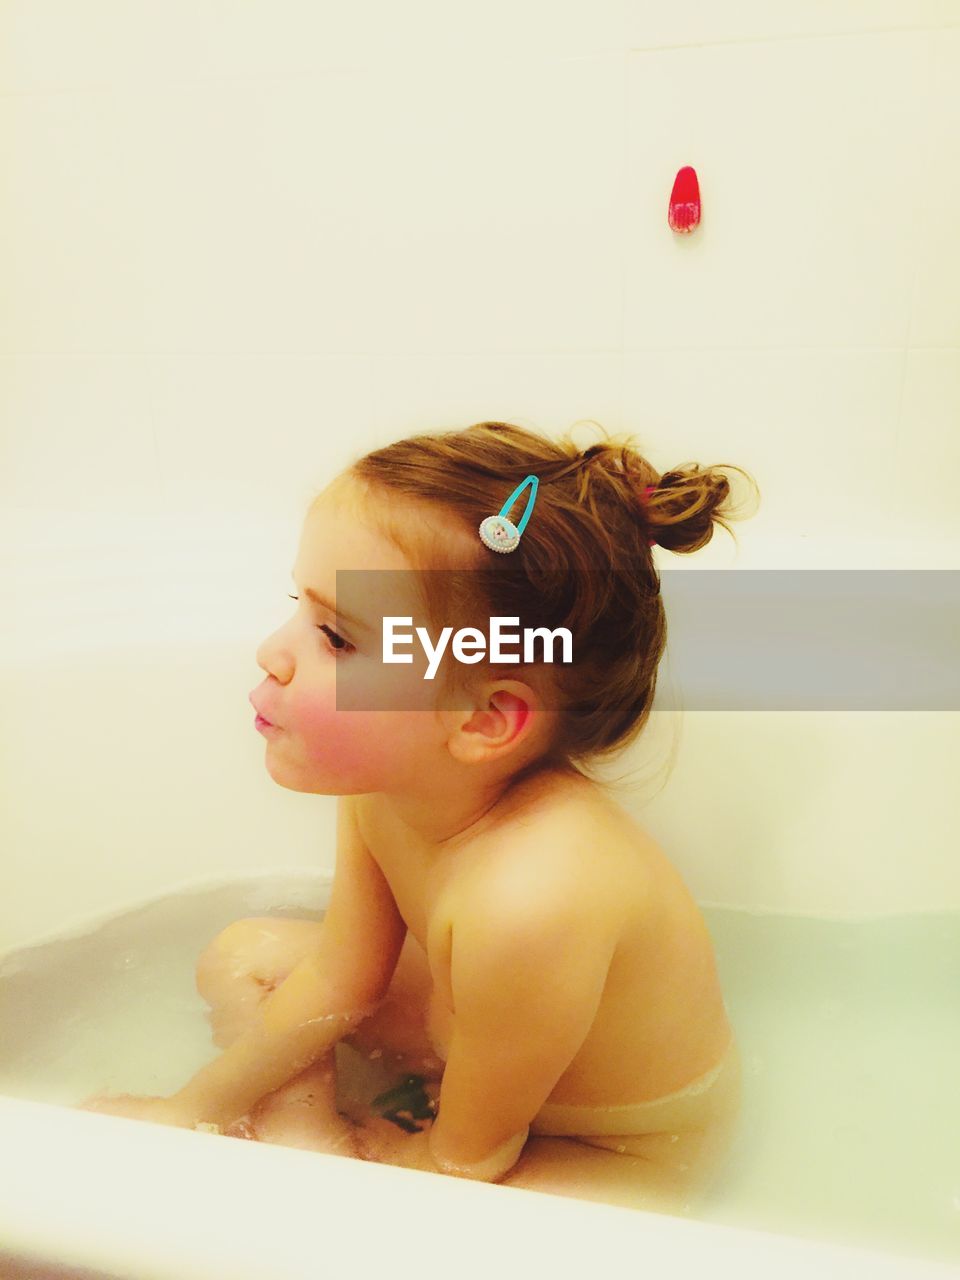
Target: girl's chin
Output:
[(316, 782)]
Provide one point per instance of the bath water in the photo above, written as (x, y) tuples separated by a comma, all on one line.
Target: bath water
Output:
[(849, 1031)]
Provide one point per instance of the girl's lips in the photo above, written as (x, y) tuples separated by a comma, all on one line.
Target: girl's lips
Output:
[(261, 718), (264, 725)]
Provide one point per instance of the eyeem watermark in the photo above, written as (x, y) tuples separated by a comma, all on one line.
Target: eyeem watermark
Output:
[(470, 644), (739, 640)]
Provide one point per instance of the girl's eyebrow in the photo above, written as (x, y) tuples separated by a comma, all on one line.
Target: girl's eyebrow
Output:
[(325, 604)]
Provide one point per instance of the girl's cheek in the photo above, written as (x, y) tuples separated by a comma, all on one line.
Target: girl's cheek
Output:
[(357, 749)]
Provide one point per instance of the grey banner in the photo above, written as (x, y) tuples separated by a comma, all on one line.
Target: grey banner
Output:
[(737, 640)]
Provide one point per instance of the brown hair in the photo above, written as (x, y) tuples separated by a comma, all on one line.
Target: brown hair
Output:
[(584, 561)]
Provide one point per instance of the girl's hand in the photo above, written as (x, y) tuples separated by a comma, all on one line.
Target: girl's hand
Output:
[(138, 1107)]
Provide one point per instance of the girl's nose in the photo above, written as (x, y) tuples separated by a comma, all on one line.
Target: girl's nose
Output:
[(275, 658)]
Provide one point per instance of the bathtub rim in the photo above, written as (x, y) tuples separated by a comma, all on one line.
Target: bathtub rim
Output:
[(109, 1220)]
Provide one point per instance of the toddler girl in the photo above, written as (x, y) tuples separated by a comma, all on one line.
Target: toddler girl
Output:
[(497, 924)]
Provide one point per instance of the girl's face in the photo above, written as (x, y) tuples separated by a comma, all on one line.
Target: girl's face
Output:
[(318, 658)]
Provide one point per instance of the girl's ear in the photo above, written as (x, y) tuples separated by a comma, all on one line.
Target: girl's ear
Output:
[(502, 716)]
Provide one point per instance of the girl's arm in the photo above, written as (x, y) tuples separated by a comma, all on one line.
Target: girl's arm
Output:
[(322, 999), (527, 982)]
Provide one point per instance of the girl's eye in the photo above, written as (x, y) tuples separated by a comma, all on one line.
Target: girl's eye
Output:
[(337, 642)]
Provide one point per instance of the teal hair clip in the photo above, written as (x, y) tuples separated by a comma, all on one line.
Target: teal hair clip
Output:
[(500, 534)]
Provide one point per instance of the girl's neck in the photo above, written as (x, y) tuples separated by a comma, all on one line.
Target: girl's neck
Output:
[(442, 818)]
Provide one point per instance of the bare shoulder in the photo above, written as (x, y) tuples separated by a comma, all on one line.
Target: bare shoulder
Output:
[(561, 847)]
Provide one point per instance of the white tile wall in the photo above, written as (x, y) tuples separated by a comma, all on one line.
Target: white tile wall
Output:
[(77, 434), (57, 44), (833, 814), (387, 210), (926, 497), (239, 432), (935, 316), (811, 157), (654, 25), (199, 192), (815, 427)]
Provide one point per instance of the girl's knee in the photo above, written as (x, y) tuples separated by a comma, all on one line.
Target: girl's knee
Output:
[(217, 963), (257, 950), (242, 965)]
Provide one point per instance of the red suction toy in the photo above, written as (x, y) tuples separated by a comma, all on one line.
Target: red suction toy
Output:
[(684, 213)]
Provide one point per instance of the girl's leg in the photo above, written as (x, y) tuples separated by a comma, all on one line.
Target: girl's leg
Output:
[(302, 1113), (251, 957), (568, 1167), (243, 964)]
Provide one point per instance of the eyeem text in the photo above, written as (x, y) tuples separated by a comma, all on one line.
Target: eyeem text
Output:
[(470, 644)]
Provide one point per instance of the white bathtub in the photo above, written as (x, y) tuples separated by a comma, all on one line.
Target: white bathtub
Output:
[(131, 768)]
